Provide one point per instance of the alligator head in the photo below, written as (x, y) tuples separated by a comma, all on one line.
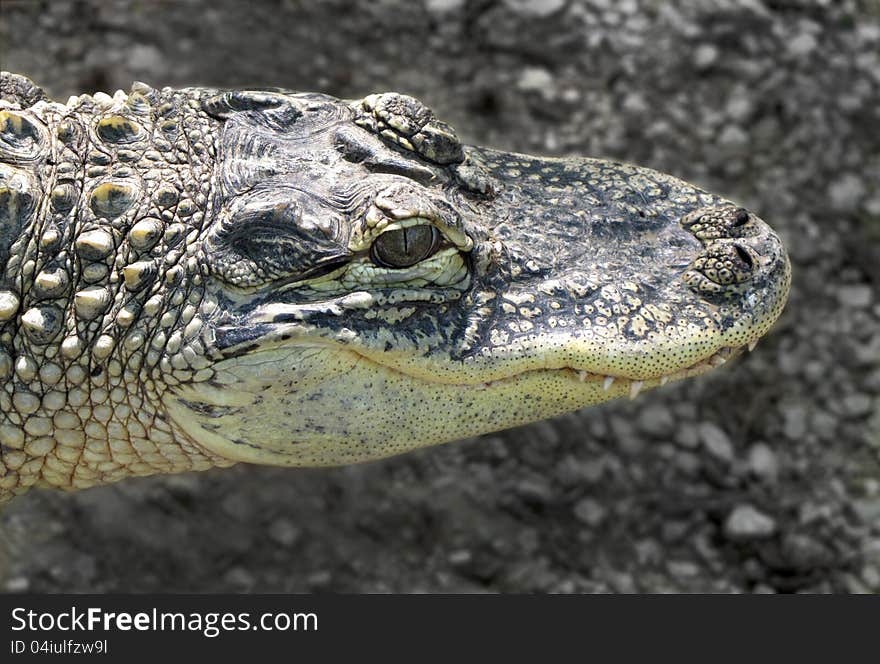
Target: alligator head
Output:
[(381, 287), (195, 277)]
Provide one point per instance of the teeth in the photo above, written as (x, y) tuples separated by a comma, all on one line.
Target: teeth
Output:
[(582, 375), (482, 386), (664, 380), (717, 360), (752, 345), (607, 383), (634, 388)]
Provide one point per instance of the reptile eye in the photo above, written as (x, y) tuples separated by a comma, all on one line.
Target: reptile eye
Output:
[(404, 247)]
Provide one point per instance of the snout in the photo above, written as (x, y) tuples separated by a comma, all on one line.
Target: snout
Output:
[(625, 271), (739, 251)]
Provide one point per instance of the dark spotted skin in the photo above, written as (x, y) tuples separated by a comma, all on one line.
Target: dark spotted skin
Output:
[(193, 277)]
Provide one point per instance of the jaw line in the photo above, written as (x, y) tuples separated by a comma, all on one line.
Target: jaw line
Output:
[(705, 365), (276, 340)]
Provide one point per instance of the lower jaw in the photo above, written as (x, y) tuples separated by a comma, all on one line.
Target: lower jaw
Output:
[(635, 387), (608, 382), (365, 410)]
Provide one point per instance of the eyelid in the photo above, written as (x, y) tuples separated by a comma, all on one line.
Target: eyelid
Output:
[(409, 222), (360, 148), (412, 171), (425, 269)]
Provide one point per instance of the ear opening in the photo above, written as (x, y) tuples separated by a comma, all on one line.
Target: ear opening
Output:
[(265, 237), (271, 109)]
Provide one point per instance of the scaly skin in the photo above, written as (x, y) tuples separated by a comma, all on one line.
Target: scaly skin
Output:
[(193, 277)]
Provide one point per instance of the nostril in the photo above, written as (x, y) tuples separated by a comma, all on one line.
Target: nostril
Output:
[(744, 256), (741, 217)]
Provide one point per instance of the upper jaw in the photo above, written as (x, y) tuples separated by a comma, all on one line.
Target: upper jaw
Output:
[(579, 265), (583, 357)]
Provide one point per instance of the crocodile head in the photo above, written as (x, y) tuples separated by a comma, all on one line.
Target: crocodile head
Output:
[(374, 286)]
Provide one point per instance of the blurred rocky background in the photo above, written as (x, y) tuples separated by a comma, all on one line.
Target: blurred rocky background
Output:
[(763, 477)]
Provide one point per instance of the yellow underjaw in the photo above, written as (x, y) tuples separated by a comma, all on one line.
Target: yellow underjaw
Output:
[(320, 404)]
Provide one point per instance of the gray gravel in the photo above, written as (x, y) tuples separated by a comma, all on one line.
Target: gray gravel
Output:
[(746, 522), (764, 477)]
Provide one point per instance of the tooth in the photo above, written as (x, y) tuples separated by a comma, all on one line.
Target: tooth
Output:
[(664, 380), (717, 360), (752, 345), (634, 388), (481, 386), (582, 375), (607, 383)]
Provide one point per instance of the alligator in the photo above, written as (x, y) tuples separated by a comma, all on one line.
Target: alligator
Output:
[(195, 277)]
